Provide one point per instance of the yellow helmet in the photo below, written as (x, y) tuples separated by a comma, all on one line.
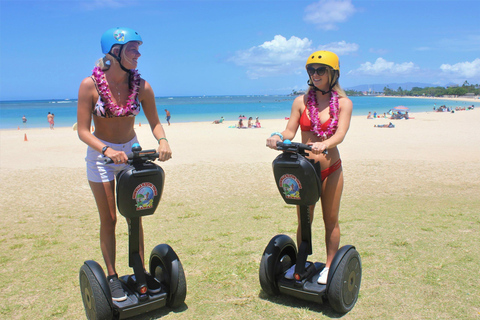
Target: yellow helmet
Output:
[(324, 57)]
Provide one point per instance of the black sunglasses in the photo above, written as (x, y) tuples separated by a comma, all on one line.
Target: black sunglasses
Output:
[(320, 71)]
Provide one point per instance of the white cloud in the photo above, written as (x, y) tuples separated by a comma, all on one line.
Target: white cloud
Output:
[(327, 13), (340, 48), (463, 69), (279, 56), (384, 67)]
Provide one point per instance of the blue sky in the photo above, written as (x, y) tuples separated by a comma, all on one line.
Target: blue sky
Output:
[(236, 47)]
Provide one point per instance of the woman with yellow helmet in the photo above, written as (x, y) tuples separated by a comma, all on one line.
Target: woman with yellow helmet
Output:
[(323, 114)]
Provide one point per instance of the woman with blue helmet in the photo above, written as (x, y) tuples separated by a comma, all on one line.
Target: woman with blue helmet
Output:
[(112, 97)]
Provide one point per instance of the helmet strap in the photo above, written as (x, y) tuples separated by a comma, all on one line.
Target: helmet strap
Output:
[(119, 59), (316, 89)]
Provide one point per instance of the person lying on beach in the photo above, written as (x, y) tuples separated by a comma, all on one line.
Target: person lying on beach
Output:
[(218, 121), (390, 125)]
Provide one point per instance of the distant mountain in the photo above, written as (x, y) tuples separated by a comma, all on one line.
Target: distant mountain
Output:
[(394, 86)]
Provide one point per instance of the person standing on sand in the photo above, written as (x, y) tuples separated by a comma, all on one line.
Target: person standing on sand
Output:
[(112, 97), (50, 120), (323, 114), (168, 116)]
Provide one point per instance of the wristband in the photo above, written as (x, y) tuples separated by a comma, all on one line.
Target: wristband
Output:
[(277, 134), (162, 139), (104, 149)]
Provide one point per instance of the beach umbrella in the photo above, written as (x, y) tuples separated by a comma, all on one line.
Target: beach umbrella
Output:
[(401, 108)]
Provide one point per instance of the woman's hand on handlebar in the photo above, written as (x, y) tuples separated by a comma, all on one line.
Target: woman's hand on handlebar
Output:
[(272, 142), (164, 152), (118, 157), (318, 147)]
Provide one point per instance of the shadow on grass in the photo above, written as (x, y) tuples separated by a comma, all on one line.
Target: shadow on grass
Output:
[(293, 302), (160, 313)]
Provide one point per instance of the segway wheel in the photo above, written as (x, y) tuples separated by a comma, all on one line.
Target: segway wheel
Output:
[(97, 306), (167, 268), (345, 284), (279, 255)]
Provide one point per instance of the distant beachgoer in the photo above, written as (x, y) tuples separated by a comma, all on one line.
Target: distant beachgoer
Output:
[(51, 122), (375, 114), (369, 116), (323, 115), (257, 123), (112, 97), (390, 125), (250, 122), (240, 124), (218, 121), (168, 116), (24, 119)]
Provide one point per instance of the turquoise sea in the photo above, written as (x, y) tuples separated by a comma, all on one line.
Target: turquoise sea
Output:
[(204, 108)]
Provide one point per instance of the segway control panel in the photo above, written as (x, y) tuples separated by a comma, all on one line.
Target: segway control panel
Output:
[(295, 176), (140, 186)]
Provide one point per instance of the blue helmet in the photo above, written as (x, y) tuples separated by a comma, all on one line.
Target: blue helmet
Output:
[(118, 36)]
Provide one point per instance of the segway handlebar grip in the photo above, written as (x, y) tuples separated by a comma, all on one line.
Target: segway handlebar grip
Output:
[(295, 147)]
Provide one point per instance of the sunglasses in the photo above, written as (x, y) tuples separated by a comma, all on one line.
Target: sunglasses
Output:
[(320, 71)]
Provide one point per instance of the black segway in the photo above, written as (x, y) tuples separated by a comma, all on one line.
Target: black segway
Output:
[(139, 189), (299, 184)]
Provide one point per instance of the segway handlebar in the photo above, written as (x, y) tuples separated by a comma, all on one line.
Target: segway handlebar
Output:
[(138, 155), (295, 147)]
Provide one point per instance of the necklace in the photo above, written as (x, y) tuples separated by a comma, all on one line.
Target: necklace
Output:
[(106, 94), (333, 110)]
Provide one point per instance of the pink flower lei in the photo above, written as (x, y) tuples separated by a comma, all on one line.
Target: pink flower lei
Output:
[(312, 109), (106, 95)]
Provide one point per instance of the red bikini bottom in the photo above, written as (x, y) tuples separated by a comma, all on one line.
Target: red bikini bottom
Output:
[(325, 173)]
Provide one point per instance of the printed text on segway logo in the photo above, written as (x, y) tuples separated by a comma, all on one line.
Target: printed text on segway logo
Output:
[(144, 194), (291, 186)]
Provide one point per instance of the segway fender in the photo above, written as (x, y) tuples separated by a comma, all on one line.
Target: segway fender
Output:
[(272, 251), (164, 250), (336, 261), (101, 278)]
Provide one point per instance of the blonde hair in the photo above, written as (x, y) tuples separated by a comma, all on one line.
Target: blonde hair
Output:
[(105, 62)]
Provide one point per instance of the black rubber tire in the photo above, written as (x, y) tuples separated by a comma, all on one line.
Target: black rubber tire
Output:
[(279, 255), (166, 267), (345, 284), (97, 306)]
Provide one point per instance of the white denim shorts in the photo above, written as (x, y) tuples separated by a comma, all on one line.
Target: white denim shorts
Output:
[(97, 170)]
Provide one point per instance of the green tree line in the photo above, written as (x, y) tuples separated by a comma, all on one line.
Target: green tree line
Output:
[(430, 91)]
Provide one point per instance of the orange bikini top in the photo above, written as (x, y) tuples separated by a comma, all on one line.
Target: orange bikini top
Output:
[(306, 124)]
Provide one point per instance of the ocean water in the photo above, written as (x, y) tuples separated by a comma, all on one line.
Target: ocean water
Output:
[(204, 108)]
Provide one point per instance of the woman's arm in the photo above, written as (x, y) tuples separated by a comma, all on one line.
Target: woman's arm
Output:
[(147, 98), (84, 114), (292, 124)]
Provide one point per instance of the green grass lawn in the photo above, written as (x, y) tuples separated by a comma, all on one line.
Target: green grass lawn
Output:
[(417, 234)]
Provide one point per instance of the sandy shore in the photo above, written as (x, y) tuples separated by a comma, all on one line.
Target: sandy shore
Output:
[(430, 136)]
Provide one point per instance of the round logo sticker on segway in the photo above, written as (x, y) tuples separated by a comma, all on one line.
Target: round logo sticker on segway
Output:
[(144, 194), (291, 186)]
